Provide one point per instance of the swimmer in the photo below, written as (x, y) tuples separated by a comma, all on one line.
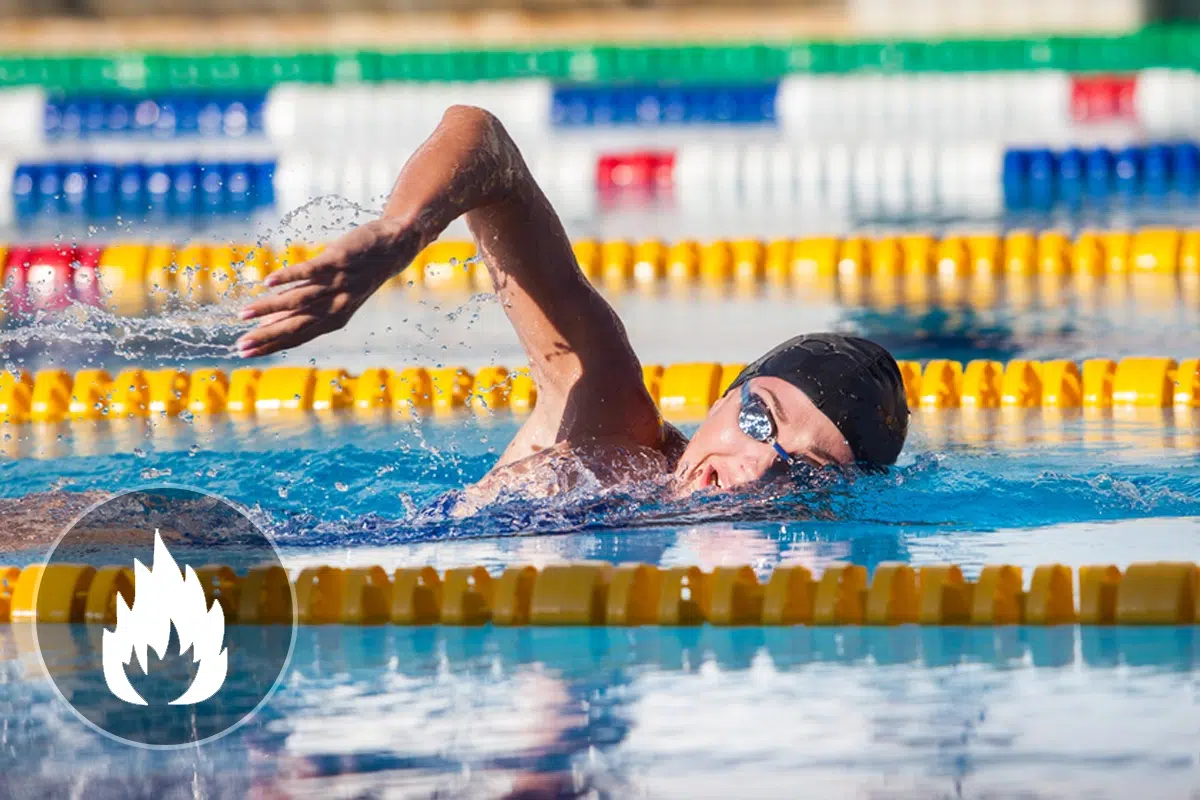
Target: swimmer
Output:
[(820, 400)]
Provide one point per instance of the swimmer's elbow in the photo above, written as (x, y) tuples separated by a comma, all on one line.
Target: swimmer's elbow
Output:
[(485, 137), (463, 111), (478, 121)]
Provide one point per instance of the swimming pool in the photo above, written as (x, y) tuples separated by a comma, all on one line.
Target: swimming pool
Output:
[(668, 712), (660, 711), (705, 711)]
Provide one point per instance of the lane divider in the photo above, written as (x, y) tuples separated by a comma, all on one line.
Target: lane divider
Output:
[(1042, 179), (1098, 54), (144, 116), (867, 179), (639, 594), (135, 278), (975, 178), (1036, 103), (132, 190), (55, 395)]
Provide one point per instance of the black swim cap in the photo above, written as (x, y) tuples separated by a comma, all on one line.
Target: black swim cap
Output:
[(856, 383)]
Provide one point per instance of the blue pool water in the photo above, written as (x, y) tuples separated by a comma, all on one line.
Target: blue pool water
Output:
[(664, 713), (347, 482), (650, 712)]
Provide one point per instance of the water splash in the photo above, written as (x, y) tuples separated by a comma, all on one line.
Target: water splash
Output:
[(400, 482), (322, 217), (183, 334), (928, 493)]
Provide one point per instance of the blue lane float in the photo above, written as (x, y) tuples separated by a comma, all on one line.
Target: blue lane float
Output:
[(184, 116), (581, 106), (1160, 173), (70, 118), (103, 190)]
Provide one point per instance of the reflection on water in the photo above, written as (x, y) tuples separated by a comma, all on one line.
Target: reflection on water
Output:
[(692, 712), (1028, 487), (1133, 431), (984, 317), (72, 655), (683, 712)]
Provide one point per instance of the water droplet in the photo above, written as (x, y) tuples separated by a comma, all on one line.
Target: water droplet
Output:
[(341, 487), (139, 452), (283, 492), (193, 450), (410, 507)]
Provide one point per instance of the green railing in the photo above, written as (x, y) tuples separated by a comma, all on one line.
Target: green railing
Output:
[(218, 71)]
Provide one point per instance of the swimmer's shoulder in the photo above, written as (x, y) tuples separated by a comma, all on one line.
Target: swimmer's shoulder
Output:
[(593, 464)]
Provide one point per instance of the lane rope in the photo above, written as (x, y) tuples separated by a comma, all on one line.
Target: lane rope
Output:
[(1158, 593), (55, 395), (138, 278)]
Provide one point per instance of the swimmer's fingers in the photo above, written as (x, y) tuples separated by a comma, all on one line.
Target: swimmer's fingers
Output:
[(293, 299), (381, 247), (290, 331), (271, 319), (249, 342), (319, 269)]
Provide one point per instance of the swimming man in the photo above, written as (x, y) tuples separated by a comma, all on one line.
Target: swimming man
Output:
[(821, 400)]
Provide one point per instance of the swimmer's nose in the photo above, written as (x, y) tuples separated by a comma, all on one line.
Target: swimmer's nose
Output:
[(750, 467)]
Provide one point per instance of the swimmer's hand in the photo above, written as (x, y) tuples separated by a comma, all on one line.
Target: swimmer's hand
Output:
[(321, 294), (468, 163)]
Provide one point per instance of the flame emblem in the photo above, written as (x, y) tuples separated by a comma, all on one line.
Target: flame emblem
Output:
[(165, 596)]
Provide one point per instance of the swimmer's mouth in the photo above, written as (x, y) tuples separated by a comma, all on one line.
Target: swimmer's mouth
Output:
[(706, 477), (713, 480), (702, 477)]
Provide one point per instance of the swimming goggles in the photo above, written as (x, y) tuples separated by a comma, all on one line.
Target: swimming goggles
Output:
[(757, 422)]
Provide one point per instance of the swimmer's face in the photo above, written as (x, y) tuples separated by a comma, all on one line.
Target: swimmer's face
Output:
[(722, 456)]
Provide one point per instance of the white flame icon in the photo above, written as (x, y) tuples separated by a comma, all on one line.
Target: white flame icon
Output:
[(162, 596)]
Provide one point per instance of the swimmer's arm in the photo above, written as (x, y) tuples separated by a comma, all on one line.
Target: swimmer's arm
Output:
[(589, 380)]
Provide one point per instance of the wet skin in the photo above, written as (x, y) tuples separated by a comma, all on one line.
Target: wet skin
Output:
[(594, 419), (720, 455)]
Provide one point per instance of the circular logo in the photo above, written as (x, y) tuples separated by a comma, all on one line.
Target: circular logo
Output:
[(164, 617)]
